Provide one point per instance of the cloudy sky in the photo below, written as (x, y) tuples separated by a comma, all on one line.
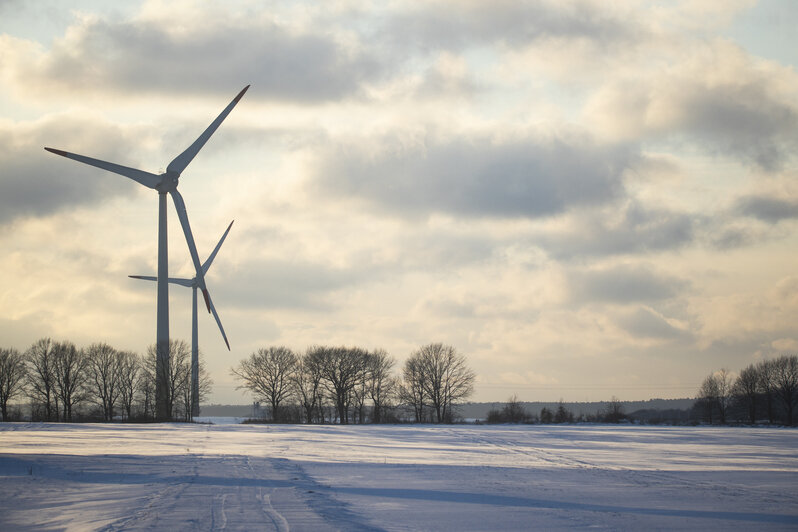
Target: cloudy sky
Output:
[(584, 200)]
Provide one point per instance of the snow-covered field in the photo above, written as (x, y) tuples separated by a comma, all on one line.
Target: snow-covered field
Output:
[(245, 477)]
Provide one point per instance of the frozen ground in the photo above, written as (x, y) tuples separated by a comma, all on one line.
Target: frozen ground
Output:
[(245, 477)]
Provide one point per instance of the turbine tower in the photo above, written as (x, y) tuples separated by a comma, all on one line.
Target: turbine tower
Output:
[(193, 284), (165, 183)]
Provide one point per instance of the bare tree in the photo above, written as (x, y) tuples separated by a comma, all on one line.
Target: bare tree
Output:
[(268, 374), (173, 375), (787, 384), (12, 377), (715, 394), (145, 387), (360, 393), (70, 376), (767, 386), (725, 380), (708, 396), (381, 385), (104, 368), (745, 390), (128, 374), (341, 370), (446, 378), (204, 389), (41, 378), (411, 391), (306, 380)]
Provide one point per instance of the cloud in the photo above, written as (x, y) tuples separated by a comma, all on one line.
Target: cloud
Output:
[(645, 323), (460, 25), (145, 56), (530, 177), (721, 98), (767, 208), (283, 284), (632, 229), (38, 183), (785, 344), (624, 284), (448, 77)]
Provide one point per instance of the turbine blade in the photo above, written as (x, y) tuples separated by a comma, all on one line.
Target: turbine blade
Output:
[(181, 161), (180, 206), (207, 298), (209, 260), (173, 280), (140, 176), (143, 277), (218, 321)]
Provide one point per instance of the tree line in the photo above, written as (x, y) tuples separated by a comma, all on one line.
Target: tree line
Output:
[(328, 384), (764, 391), (65, 383), (514, 411)]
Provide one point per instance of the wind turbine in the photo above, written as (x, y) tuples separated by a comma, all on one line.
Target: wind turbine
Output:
[(163, 184), (193, 284)]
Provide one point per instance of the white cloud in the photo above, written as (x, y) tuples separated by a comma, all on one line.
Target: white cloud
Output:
[(716, 95)]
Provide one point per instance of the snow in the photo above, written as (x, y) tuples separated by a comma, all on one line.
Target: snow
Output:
[(288, 477)]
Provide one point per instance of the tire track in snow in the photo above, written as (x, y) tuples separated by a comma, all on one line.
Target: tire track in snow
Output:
[(173, 490), (276, 517), (218, 512), (280, 523)]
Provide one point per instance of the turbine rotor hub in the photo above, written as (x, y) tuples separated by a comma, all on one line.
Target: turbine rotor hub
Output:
[(169, 181)]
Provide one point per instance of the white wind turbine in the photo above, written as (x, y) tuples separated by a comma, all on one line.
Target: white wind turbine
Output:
[(163, 184), (193, 284)]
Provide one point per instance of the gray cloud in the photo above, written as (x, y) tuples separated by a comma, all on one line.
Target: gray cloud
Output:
[(640, 230), (531, 177), (286, 284), (768, 209), (643, 323), (623, 284), (143, 57), (35, 182), (465, 24), (727, 237), (745, 121)]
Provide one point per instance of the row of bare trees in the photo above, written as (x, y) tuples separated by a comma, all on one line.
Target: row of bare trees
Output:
[(353, 385), (65, 383), (765, 391)]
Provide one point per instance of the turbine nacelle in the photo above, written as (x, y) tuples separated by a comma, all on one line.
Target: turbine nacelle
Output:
[(168, 183)]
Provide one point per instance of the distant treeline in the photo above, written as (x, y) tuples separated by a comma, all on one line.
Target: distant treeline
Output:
[(656, 410), (675, 411)]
